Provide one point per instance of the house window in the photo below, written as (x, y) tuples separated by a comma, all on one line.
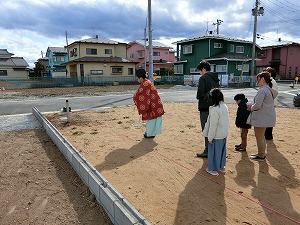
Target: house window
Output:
[(239, 49), (187, 49), (245, 67), (232, 48), (290, 72), (3, 72), (140, 54), (218, 45), (108, 51), (296, 70), (261, 54), (156, 53), (221, 68), (166, 53), (131, 55), (130, 71), (117, 69), (91, 51), (292, 52), (58, 59), (194, 70), (96, 72), (73, 52), (178, 69)]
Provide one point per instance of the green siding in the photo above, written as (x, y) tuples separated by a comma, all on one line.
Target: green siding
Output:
[(202, 48)]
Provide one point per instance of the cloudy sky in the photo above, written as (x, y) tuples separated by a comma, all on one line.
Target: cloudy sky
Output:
[(28, 27)]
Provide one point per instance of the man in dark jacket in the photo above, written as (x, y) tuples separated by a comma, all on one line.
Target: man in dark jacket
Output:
[(207, 81)]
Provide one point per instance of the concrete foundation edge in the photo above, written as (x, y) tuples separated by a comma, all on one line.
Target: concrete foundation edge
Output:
[(119, 210)]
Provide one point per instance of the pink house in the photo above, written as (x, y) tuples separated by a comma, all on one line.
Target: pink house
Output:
[(163, 55), (284, 58)]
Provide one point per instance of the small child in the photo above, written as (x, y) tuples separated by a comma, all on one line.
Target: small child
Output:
[(216, 130), (241, 119)]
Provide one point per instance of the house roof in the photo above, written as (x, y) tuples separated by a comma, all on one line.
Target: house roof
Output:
[(57, 49), (228, 57), (155, 44), (280, 45), (196, 38), (98, 40), (5, 54), (14, 62), (99, 59)]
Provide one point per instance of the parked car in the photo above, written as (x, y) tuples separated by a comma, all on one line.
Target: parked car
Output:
[(296, 100), (157, 79)]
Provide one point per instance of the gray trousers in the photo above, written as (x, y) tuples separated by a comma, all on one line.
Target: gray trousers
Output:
[(203, 119)]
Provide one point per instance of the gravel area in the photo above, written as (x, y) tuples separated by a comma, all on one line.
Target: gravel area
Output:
[(18, 122)]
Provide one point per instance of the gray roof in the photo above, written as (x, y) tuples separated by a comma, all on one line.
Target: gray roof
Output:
[(58, 49), (155, 44), (281, 45), (228, 57), (5, 54), (14, 62), (99, 41), (212, 37), (6, 59)]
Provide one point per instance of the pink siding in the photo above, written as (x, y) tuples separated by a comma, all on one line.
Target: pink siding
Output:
[(289, 56), (165, 55)]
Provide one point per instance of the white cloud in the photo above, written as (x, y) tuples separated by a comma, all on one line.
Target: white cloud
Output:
[(43, 24)]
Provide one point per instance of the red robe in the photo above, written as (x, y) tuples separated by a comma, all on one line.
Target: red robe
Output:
[(148, 102)]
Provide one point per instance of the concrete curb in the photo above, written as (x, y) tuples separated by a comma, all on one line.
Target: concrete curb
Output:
[(119, 210)]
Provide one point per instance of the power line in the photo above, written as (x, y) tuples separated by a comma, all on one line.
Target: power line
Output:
[(284, 6), (293, 5)]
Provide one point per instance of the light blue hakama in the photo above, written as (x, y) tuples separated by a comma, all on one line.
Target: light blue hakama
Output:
[(154, 127)]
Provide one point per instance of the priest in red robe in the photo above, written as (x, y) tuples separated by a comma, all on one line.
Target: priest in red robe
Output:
[(148, 104)]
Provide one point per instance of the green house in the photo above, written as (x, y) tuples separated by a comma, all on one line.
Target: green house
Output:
[(229, 57)]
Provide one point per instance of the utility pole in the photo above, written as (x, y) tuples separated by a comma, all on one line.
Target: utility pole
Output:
[(255, 12), (145, 49), (67, 38), (218, 23), (150, 72)]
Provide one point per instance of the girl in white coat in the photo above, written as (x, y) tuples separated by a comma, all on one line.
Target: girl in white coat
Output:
[(216, 130)]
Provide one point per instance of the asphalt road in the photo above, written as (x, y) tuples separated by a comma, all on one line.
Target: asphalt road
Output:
[(184, 94)]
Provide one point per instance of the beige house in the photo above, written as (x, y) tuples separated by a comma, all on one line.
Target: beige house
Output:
[(97, 58), (12, 67)]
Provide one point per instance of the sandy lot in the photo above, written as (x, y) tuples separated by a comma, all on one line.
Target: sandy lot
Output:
[(164, 180), (160, 177)]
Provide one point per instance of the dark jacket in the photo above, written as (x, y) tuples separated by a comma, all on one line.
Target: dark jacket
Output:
[(206, 83), (242, 115)]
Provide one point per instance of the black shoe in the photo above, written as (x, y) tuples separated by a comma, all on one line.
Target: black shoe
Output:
[(237, 146), (145, 136), (257, 158), (202, 155)]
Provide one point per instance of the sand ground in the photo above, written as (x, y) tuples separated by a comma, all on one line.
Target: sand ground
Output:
[(160, 177), (164, 180)]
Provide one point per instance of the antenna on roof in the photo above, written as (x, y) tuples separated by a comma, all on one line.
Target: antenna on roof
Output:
[(93, 28), (218, 23), (207, 26)]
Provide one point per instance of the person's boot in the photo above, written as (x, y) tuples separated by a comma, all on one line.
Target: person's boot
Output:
[(202, 155)]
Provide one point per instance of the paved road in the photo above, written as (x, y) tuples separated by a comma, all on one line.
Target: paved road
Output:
[(184, 94)]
